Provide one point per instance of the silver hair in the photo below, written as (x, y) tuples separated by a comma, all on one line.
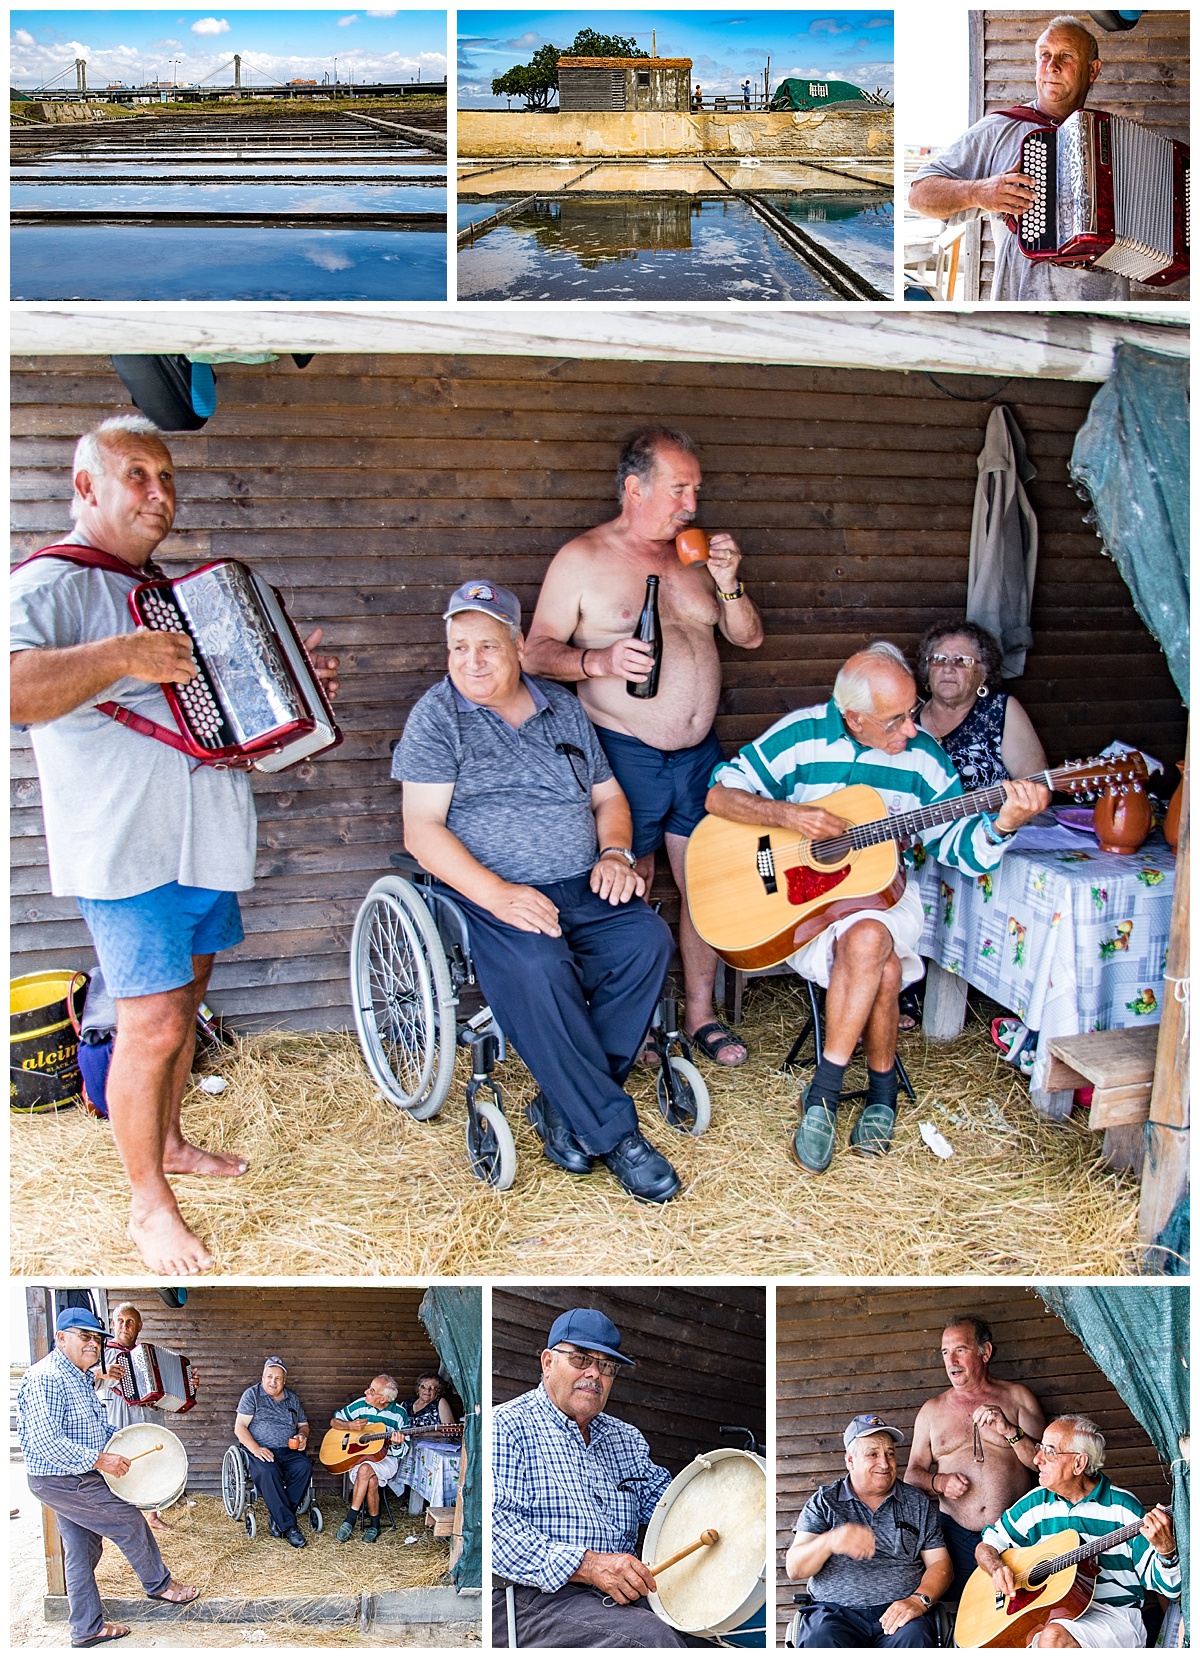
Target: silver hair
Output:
[(1087, 1441), (89, 451), (1066, 21), (514, 628), (853, 692), (390, 1386), (127, 1307), (639, 453)]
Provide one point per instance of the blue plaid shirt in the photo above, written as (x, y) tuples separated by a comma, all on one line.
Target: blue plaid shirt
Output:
[(555, 1497), (61, 1423)]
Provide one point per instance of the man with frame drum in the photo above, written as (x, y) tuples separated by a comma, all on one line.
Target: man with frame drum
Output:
[(571, 1485), (63, 1429)]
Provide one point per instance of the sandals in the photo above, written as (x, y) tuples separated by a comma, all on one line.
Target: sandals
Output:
[(185, 1596), (911, 1008), (714, 1037), (110, 1632)]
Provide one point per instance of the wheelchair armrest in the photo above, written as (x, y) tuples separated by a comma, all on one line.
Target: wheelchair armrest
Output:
[(407, 863)]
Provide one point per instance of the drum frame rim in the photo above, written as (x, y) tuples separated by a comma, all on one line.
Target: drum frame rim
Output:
[(756, 1599), (155, 1503)]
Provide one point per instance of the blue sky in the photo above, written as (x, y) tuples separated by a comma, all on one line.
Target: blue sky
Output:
[(185, 46), (725, 46)]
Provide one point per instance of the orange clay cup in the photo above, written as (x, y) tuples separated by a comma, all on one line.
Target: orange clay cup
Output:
[(691, 545)]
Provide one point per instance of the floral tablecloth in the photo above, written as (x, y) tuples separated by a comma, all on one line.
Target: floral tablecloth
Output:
[(1069, 940), (430, 1470)]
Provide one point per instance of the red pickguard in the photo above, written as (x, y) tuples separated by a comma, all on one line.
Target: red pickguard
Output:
[(804, 884)]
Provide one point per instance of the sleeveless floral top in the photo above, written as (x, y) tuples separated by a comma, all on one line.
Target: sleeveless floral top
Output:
[(974, 745)]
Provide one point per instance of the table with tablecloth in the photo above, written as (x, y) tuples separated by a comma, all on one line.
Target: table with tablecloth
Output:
[(1070, 939), (430, 1470)]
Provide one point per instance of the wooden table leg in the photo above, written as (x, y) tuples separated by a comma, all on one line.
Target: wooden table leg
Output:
[(945, 1003)]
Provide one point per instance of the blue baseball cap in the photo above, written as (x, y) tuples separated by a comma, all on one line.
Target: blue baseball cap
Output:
[(869, 1424), (585, 1327), (486, 596), (278, 1363), (78, 1318)]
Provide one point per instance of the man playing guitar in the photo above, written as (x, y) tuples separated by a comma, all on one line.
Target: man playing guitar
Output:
[(865, 734), (377, 1404), (1074, 1493)]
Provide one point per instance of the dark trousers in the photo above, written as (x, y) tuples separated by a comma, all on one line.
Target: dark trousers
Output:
[(87, 1512), (962, 1545), (577, 1008), (579, 1616), (282, 1484), (850, 1626)]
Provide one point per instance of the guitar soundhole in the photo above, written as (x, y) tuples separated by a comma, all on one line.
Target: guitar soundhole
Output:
[(804, 884)]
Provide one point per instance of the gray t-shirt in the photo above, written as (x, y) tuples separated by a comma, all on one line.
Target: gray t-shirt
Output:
[(272, 1421), (993, 146), (520, 806), (124, 813), (905, 1523)]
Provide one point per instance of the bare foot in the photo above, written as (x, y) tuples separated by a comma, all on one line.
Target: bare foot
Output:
[(182, 1157), (157, 1523), (167, 1245)]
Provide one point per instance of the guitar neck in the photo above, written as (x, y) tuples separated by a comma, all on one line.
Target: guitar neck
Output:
[(1085, 1551), (906, 824)]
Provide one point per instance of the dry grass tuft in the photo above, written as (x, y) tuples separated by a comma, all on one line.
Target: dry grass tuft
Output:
[(341, 1183), (206, 1548)]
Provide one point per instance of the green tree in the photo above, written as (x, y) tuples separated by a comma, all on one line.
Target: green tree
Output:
[(537, 80)]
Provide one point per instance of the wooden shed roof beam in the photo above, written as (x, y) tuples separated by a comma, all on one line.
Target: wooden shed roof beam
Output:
[(1057, 346)]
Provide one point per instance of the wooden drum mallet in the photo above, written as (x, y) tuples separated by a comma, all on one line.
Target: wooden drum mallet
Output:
[(704, 1540)]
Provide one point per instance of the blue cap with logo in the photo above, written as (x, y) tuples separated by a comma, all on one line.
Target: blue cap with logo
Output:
[(868, 1424), (278, 1363), (485, 596), (78, 1318), (585, 1327)]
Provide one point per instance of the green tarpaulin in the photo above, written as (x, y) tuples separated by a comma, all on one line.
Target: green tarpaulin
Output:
[(795, 93), (453, 1316), (1139, 1338)]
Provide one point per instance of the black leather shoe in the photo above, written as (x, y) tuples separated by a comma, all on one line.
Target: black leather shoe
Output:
[(558, 1143), (644, 1172), (296, 1538)]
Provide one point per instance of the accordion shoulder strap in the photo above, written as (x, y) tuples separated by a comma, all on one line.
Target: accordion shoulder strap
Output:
[(1026, 112), (93, 558)]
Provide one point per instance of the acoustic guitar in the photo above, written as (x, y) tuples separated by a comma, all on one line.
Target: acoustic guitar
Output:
[(1057, 1574), (344, 1448), (759, 894)]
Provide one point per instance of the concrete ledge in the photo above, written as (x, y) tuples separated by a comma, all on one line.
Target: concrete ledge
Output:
[(433, 1607), (439, 1605), (845, 130), (57, 113)]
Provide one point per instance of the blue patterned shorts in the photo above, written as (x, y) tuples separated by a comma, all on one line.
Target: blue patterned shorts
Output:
[(146, 943)]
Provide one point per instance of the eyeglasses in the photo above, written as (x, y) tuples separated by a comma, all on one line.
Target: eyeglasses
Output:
[(896, 722), (584, 1361), (1052, 1451), (937, 660), (577, 760)]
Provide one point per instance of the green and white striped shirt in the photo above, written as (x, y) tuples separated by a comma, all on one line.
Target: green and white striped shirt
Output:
[(809, 753), (1126, 1572)]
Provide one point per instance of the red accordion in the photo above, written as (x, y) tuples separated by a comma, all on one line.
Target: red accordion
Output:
[(152, 1375), (1110, 195)]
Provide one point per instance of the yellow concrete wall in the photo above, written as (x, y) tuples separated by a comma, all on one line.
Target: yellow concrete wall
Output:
[(54, 112), (843, 131)]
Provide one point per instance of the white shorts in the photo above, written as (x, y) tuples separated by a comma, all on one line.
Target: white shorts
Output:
[(385, 1470), (904, 921), (1115, 1628)]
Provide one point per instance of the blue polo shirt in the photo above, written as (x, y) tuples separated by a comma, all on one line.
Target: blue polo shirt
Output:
[(905, 1524), (521, 805)]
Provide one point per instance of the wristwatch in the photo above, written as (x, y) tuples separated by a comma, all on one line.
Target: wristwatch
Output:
[(1017, 1437), (739, 592), (924, 1599), (622, 852)]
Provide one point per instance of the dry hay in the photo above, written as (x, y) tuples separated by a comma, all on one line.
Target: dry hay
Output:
[(342, 1183), (206, 1548)]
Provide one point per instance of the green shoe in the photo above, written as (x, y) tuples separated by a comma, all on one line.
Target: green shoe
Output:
[(812, 1143), (345, 1531), (872, 1133), (371, 1535)]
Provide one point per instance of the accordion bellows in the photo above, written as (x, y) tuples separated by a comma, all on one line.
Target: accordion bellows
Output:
[(152, 1375), (1110, 195)]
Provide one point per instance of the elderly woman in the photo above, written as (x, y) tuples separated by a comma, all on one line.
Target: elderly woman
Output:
[(271, 1424), (430, 1408), (986, 733)]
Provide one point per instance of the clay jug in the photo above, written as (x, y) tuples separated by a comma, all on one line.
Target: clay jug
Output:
[(1171, 821), (1122, 821)]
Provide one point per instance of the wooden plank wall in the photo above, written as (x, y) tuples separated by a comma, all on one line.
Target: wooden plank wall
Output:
[(839, 1353), (1146, 76), (700, 1356), (367, 488), (333, 1342)]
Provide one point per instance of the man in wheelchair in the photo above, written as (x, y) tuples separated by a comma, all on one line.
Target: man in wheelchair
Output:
[(377, 1404), (509, 800), (272, 1426), (871, 1549)]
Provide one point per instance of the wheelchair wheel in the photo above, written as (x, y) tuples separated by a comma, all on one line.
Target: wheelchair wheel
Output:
[(251, 1524), (315, 1518), (403, 1001), (491, 1150), (233, 1483), (691, 1110)]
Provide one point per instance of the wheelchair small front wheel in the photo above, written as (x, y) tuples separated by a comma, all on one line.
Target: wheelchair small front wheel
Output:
[(691, 1110), (251, 1524), (316, 1519), (491, 1149)]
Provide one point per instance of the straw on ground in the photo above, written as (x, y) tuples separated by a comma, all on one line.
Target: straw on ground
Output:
[(340, 1182)]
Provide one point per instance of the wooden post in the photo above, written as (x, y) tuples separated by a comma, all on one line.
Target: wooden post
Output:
[(39, 1310), (1165, 1173), (945, 1003)]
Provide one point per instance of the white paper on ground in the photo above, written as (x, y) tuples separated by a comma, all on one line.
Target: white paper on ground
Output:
[(937, 1143)]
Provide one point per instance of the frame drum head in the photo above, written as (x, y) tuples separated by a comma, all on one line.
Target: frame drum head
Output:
[(153, 1481), (716, 1588)]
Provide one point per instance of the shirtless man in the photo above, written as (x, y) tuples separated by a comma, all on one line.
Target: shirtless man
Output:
[(973, 1494), (663, 749)]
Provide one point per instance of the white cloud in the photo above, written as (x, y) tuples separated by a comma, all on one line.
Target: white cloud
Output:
[(22, 37), (344, 22), (210, 26), (381, 14)]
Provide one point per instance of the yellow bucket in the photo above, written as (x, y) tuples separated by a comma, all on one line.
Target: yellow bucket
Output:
[(43, 1067)]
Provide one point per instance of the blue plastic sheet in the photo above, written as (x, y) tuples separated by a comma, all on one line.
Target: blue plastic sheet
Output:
[(1131, 457)]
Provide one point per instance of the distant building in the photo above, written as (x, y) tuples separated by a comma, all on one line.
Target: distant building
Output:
[(623, 83)]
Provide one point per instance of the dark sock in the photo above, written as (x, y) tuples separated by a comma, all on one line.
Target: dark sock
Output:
[(826, 1084), (352, 1515), (883, 1087)]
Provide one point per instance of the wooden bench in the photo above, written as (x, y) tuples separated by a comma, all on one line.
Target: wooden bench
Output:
[(441, 1519), (1119, 1065)]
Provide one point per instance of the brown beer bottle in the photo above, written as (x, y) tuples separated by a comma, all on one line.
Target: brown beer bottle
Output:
[(648, 632)]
